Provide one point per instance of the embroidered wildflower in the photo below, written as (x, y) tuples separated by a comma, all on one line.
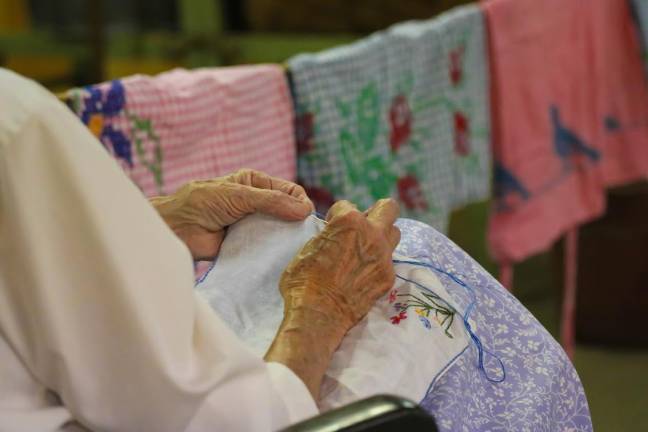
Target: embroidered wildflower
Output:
[(425, 321), (396, 319), (392, 296)]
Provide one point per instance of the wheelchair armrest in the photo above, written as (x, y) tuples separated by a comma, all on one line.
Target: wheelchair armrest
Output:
[(383, 413)]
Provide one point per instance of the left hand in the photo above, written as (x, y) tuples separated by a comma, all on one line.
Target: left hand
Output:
[(200, 211)]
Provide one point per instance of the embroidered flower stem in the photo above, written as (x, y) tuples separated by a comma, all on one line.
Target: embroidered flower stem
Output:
[(443, 314), (154, 165)]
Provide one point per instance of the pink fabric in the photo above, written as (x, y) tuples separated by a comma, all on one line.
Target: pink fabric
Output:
[(570, 286), (624, 92), (506, 276), (209, 122), (569, 112)]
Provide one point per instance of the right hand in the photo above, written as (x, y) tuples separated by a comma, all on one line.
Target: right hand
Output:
[(339, 274), (331, 284)]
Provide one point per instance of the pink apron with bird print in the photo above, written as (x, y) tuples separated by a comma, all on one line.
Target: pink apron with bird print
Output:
[(569, 107)]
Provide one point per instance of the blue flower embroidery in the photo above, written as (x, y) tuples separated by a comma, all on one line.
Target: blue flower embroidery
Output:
[(91, 104), (425, 322), (97, 107), (120, 144), (115, 99)]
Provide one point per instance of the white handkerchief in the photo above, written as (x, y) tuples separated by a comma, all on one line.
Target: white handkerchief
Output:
[(409, 338)]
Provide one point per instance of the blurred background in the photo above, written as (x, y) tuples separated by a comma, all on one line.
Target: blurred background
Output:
[(67, 43)]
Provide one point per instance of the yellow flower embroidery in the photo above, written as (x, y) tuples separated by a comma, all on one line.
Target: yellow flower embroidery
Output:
[(420, 311), (95, 124)]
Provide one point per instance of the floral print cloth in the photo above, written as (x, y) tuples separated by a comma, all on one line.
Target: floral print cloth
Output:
[(402, 113), (541, 390), (184, 125)]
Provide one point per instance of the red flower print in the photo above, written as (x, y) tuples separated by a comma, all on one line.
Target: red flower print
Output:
[(322, 198), (462, 134), (396, 319), (400, 118), (456, 65), (392, 296), (410, 194), (305, 132)]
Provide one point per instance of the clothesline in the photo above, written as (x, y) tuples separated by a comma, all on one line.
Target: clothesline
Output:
[(428, 112)]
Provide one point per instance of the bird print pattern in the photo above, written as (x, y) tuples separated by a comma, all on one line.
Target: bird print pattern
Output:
[(567, 144)]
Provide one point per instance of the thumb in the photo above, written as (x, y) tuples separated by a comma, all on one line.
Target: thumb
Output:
[(277, 203)]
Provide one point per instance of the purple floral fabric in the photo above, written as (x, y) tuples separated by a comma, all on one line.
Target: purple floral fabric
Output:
[(541, 391)]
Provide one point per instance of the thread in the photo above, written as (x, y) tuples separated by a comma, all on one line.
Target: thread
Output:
[(465, 318)]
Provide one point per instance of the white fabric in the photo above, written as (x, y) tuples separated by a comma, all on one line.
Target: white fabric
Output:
[(375, 357), (99, 326)]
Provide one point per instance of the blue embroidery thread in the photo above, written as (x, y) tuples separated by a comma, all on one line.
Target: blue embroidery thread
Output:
[(466, 316)]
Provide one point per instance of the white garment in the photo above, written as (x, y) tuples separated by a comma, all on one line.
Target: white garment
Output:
[(376, 356), (99, 326)]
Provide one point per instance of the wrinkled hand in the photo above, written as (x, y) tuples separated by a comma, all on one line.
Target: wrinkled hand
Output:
[(343, 271), (331, 284), (200, 211)]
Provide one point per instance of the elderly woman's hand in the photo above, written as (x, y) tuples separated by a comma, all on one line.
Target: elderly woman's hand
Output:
[(343, 271), (332, 283), (200, 211)]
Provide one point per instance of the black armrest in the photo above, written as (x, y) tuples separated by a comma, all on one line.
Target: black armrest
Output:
[(383, 413)]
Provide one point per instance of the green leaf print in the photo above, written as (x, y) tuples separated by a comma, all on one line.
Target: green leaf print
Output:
[(344, 108), (368, 115), (379, 177), (350, 157)]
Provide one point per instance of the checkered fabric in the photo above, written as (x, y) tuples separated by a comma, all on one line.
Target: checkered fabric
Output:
[(402, 113), (465, 49), (185, 125)]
